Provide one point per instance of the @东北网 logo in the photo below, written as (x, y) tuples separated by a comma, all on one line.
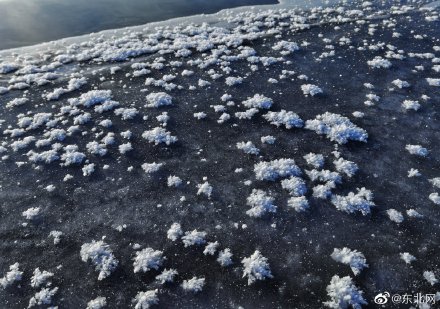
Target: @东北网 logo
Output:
[(381, 298)]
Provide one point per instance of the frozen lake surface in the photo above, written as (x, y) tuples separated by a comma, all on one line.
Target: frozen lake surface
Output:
[(28, 22), (272, 157)]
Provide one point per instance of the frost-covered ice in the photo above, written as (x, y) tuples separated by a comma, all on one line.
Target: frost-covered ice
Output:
[(210, 137)]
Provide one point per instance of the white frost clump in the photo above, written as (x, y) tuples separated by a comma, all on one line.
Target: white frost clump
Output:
[(248, 114), (31, 213), (167, 275), (157, 99), (298, 203), (269, 139), (174, 181), (145, 300), (150, 168), (400, 83), (100, 254), (159, 135), (248, 147), (413, 173), (72, 156), (435, 182), (56, 236), (286, 46), (433, 82), (40, 277), (323, 191), (96, 148), (97, 303), (258, 101), (194, 238), (94, 97), (379, 62), (343, 294), (88, 169), (315, 160), (44, 297), (204, 188), (417, 150), (355, 259), (174, 232), (126, 113), (435, 198), (411, 104), (430, 277), (17, 102), (225, 257), (283, 117), (309, 89), (272, 170), (407, 257), (360, 201), (261, 203), (412, 213), (337, 128), (347, 167), (147, 259), (211, 248), (231, 81), (295, 185), (256, 267), (395, 216), (193, 285), (13, 275), (124, 148), (200, 115)]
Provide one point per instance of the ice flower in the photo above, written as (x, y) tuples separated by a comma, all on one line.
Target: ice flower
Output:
[(355, 259), (256, 267)]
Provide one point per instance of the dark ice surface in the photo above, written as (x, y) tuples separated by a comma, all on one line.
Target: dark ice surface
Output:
[(297, 245)]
